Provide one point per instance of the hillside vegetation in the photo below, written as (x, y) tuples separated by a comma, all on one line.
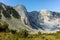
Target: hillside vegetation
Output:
[(7, 34)]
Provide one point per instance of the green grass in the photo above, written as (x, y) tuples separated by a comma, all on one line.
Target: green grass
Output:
[(10, 36)]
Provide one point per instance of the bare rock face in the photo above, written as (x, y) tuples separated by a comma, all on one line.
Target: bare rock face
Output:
[(50, 21), (18, 18), (45, 21), (22, 12)]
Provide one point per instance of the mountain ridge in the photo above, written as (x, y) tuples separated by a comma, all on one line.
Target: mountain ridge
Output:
[(19, 18)]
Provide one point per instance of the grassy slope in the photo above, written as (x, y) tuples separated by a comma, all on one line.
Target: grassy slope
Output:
[(10, 36), (6, 34)]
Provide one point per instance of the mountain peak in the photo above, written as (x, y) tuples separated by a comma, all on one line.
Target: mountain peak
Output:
[(44, 10), (2, 3), (20, 6)]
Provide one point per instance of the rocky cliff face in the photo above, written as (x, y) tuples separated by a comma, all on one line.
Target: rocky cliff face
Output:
[(18, 18)]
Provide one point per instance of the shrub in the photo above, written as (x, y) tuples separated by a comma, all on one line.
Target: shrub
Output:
[(23, 33), (13, 31), (39, 33), (3, 26)]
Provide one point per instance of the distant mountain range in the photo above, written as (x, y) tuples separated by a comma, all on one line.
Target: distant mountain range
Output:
[(19, 18)]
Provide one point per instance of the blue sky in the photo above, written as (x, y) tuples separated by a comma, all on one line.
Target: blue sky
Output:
[(36, 5)]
